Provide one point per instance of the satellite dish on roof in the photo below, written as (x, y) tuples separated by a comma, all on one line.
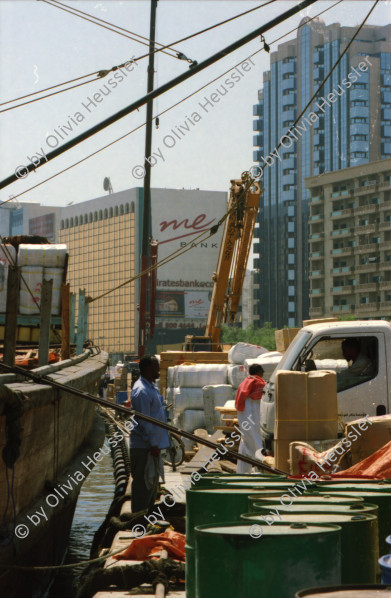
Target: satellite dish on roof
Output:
[(107, 186)]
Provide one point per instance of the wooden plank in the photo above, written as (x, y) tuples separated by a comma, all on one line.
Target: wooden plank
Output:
[(46, 308), (65, 321), (11, 318)]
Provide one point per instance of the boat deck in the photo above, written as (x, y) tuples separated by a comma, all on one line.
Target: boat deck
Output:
[(123, 538)]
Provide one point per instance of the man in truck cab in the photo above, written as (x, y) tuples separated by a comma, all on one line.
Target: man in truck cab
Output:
[(360, 364)]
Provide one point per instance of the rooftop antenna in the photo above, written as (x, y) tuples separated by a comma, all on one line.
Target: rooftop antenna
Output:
[(107, 186)]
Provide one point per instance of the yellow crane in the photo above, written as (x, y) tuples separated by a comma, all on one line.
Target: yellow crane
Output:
[(235, 248)]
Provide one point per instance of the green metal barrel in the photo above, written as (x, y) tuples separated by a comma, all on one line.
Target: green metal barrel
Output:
[(356, 591), (266, 497), (214, 505), (383, 501), (190, 572), (209, 481), (262, 484), (341, 487), (362, 507), (359, 539), (282, 561)]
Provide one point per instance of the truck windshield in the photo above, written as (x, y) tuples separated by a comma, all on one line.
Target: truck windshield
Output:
[(292, 353)]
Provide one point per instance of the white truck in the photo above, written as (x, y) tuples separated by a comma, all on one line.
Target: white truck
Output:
[(318, 346)]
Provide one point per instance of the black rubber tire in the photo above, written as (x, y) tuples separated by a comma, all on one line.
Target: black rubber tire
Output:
[(178, 449)]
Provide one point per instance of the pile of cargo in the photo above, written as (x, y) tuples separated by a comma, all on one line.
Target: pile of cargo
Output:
[(37, 263)]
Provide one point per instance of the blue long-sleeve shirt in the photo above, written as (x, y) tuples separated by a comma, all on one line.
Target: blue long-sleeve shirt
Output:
[(146, 398)]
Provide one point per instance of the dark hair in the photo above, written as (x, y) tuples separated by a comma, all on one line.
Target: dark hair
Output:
[(146, 362), (255, 369), (351, 342)]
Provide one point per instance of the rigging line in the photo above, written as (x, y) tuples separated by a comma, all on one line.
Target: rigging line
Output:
[(162, 89), (28, 95), (216, 25), (146, 55), (47, 96), (69, 10), (164, 111), (112, 25)]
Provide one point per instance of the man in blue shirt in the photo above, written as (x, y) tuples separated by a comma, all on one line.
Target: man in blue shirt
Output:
[(146, 438)]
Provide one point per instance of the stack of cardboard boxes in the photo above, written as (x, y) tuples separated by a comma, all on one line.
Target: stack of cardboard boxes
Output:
[(306, 409)]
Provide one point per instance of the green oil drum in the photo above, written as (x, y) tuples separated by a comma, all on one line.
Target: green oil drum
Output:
[(263, 484), (362, 507), (213, 505), (383, 501), (209, 481), (266, 497), (359, 539), (349, 591), (282, 561), (190, 571), (341, 487)]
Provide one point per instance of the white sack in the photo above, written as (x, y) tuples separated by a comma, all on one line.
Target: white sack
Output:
[(187, 398), (242, 351), (47, 256), (32, 277), (215, 396), (268, 364), (171, 375), (236, 374), (199, 375)]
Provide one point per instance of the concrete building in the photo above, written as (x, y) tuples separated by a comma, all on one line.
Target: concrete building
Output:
[(104, 240), (350, 242), (25, 218), (249, 307), (349, 123)]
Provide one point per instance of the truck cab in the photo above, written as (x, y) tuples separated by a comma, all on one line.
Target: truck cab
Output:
[(319, 346)]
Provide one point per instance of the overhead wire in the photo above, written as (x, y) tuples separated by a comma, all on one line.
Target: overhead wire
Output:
[(107, 71), (166, 110), (93, 20), (169, 85)]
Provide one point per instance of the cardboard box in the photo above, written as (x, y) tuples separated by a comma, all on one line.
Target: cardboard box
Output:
[(281, 454), (306, 405), (284, 337)]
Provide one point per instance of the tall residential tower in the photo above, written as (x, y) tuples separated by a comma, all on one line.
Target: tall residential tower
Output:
[(348, 124)]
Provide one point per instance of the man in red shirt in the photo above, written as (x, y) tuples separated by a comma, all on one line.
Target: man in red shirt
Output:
[(248, 406)]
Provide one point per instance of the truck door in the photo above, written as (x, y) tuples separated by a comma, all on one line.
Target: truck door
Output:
[(359, 393)]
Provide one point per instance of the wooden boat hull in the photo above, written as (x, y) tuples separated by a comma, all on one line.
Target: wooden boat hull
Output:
[(58, 434)]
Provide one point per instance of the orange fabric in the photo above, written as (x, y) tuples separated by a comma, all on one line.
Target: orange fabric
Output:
[(377, 465), (250, 388), (145, 548)]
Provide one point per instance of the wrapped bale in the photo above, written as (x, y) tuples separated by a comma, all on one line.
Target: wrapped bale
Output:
[(7, 258), (215, 396), (199, 375), (236, 374), (242, 351), (47, 256), (31, 280), (305, 457), (187, 398), (269, 364), (171, 375)]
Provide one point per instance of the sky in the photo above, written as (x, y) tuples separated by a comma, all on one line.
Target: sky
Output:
[(41, 45)]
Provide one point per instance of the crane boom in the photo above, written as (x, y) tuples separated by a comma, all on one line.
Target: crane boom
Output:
[(234, 251)]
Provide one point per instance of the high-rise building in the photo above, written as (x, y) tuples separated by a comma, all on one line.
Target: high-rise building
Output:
[(348, 124), (350, 242)]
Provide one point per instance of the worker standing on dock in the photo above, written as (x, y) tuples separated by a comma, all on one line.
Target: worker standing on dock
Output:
[(146, 439), (248, 406)]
